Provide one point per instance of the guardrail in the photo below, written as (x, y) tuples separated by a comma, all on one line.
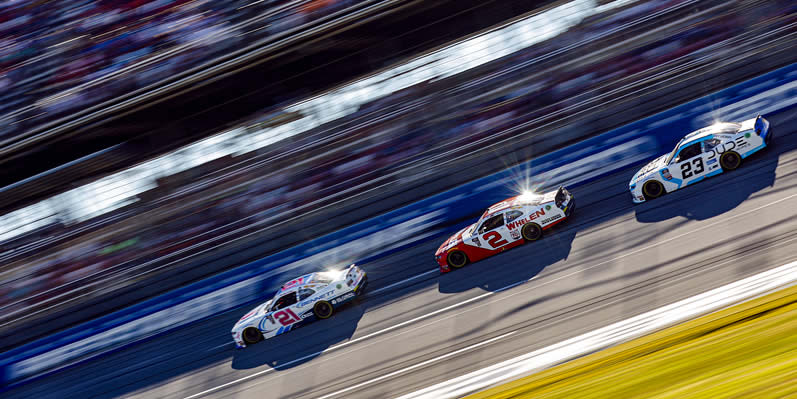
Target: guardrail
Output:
[(582, 162)]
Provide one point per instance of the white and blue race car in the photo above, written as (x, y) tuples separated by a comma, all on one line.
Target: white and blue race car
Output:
[(701, 154), (300, 301)]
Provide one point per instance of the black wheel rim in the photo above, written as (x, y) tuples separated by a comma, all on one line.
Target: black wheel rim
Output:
[(251, 336), (456, 259), (732, 160), (533, 232), (653, 189), (324, 310)]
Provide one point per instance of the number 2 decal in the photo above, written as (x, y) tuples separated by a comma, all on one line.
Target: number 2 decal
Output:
[(286, 317), (494, 239), (686, 168)]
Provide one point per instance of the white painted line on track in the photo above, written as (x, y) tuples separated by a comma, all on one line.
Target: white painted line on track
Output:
[(613, 334), (471, 300), (417, 365)]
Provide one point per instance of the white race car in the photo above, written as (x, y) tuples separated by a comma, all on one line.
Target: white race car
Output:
[(300, 301), (703, 153)]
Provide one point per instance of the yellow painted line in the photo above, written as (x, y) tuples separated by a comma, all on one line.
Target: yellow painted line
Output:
[(747, 350)]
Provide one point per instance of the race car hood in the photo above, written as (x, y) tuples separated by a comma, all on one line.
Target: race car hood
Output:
[(259, 310), (455, 239), (653, 166)]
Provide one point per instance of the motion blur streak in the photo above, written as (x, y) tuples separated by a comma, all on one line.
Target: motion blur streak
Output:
[(612, 263), (759, 284), (393, 150)]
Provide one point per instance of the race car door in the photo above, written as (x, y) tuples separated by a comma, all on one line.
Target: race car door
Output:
[(493, 232), (711, 154), (283, 315), (689, 165)]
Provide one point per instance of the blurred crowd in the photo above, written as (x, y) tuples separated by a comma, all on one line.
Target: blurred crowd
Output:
[(429, 120), (57, 56)]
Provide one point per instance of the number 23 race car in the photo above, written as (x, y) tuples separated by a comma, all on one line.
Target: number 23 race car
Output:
[(703, 153), (504, 225), (299, 301)]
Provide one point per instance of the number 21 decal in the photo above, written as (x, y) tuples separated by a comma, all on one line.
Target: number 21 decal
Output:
[(286, 317), (494, 239)]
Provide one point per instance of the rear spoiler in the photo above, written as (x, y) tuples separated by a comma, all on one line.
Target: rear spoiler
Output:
[(560, 196), (760, 124)]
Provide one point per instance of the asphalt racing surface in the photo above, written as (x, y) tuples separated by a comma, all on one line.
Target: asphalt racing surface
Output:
[(415, 327)]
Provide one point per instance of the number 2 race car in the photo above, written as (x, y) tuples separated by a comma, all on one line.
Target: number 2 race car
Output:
[(300, 301), (504, 225), (703, 153)]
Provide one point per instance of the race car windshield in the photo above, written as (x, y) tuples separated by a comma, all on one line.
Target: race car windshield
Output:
[(719, 128)]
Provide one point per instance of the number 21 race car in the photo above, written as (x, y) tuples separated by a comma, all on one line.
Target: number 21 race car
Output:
[(504, 225), (703, 153), (300, 301)]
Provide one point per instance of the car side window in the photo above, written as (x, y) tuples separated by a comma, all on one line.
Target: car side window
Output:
[(492, 223), (285, 301), (690, 151), (709, 144), (305, 293), (512, 215)]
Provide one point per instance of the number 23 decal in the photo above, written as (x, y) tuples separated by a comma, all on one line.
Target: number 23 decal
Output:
[(494, 239), (686, 168)]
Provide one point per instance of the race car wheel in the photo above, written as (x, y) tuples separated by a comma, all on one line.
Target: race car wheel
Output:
[(531, 232), (730, 160), (323, 309), (653, 189), (252, 335), (457, 259)]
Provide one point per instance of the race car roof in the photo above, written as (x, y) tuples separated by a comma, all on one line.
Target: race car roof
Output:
[(718, 128), (517, 201), (312, 279)]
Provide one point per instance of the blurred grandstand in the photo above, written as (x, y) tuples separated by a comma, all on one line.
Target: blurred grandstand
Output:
[(406, 125), (58, 56)]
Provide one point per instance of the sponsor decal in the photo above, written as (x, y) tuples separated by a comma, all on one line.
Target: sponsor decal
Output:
[(293, 283), (306, 315), (718, 150), (339, 286), (530, 217), (515, 234), (551, 219), (666, 174), (711, 161), (747, 135), (640, 197), (741, 143), (342, 298), (477, 242), (547, 207)]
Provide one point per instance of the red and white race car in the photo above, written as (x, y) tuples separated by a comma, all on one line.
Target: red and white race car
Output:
[(504, 225)]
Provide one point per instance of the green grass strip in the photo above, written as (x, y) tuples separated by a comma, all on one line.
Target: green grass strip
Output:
[(745, 351)]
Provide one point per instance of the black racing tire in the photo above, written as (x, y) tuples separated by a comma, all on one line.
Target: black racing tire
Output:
[(653, 189), (456, 259), (251, 335), (531, 232), (323, 309), (730, 160), (363, 286)]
